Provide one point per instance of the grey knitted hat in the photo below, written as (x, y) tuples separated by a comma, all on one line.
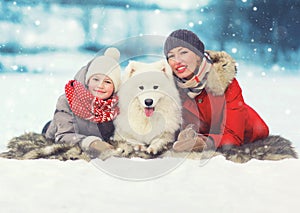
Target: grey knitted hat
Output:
[(184, 38)]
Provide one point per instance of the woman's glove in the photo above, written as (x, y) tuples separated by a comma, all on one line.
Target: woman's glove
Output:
[(100, 149), (99, 146), (189, 140)]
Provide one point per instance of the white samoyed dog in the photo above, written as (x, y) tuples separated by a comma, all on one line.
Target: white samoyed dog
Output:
[(150, 107)]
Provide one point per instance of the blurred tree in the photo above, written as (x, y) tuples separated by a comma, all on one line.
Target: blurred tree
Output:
[(228, 22), (276, 23), (9, 12)]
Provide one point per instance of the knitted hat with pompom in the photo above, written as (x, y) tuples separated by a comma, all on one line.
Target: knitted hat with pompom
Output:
[(107, 64)]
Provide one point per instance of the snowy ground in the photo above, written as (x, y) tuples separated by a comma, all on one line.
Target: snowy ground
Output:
[(28, 101)]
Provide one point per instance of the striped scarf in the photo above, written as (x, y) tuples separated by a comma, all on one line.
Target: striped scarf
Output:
[(84, 105), (195, 85)]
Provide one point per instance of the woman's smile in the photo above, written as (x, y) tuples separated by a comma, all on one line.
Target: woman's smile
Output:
[(181, 68)]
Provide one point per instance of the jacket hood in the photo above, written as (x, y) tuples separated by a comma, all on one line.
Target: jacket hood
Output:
[(81, 74), (222, 72)]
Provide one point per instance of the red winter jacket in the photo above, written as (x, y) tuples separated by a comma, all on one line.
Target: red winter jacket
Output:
[(220, 111)]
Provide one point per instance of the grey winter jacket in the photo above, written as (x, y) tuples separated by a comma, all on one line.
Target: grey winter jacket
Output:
[(68, 128)]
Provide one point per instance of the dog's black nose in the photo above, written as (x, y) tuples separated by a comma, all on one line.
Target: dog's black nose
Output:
[(148, 102)]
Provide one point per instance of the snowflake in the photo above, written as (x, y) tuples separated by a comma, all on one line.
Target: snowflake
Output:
[(234, 50), (157, 11), (37, 22), (95, 26), (191, 24), (14, 67)]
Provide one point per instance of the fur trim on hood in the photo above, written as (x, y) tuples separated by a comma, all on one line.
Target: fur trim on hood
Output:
[(222, 72), (80, 75)]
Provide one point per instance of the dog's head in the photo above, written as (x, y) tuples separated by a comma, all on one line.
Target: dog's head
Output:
[(134, 67), (149, 96), (148, 83)]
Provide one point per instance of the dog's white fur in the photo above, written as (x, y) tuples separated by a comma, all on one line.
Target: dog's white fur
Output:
[(153, 82)]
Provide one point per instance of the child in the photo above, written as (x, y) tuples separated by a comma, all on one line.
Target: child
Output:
[(85, 112)]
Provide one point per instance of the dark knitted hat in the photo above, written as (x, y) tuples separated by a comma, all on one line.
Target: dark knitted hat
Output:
[(184, 38)]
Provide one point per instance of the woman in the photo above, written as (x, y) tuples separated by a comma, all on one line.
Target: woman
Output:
[(85, 112), (214, 112)]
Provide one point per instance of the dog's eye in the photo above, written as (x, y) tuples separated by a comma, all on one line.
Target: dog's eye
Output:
[(141, 87), (155, 87)]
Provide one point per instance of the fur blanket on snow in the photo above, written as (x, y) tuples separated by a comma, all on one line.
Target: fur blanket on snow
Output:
[(35, 146)]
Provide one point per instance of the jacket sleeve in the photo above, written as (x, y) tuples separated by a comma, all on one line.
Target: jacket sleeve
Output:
[(64, 129), (234, 117)]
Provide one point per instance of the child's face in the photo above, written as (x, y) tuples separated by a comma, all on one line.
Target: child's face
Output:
[(101, 86)]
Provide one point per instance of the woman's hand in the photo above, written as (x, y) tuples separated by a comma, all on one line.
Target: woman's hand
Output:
[(189, 140), (194, 144), (100, 146)]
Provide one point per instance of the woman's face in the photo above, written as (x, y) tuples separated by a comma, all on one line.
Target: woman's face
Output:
[(183, 62), (101, 86)]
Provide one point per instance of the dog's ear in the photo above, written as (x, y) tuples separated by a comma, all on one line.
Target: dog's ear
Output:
[(129, 70), (166, 68)]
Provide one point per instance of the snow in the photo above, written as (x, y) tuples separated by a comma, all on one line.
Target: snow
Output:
[(135, 185), (160, 185), (219, 186)]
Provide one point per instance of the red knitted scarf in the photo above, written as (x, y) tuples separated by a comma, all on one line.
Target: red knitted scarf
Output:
[(86, 106)]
